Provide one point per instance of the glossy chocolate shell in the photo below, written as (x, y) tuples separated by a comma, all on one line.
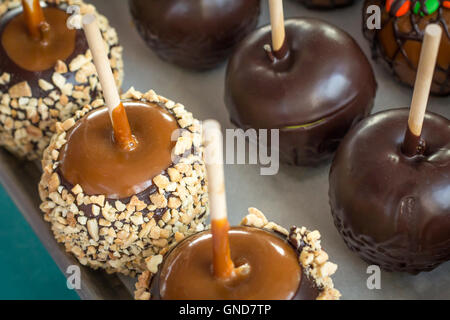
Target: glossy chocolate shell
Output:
[(394, 210), (314, 95), (195, 34)]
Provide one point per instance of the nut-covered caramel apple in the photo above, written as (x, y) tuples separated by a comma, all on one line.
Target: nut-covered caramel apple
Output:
[(313, 94), (326, 4), (400, 38), (392, 209), (46, 73), (113, 208), (273, 264), (196, 34), (241, 263)]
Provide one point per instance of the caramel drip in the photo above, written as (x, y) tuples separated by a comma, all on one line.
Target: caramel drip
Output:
[(275, 273), (55, 41), (122, 131), (223, 266), (34, 18)]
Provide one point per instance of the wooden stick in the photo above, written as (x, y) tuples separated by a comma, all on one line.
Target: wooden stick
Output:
[(424, 78), (212, 139), (278, 31), (34, 17), (121, 126)]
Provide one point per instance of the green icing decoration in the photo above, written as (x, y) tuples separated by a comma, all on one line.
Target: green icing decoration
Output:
[(431, 5), (304, 125)]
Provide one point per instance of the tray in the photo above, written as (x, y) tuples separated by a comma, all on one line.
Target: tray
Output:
[(295, 196)]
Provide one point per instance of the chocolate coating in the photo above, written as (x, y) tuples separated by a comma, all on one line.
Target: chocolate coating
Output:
[(197, 34), (314, 95), (248, 245), (325, 4), (394, 210), (399, 41)]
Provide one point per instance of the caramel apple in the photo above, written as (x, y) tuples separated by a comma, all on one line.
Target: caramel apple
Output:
[(111, 207), (46, 75), (196, 34), (325, 4), (313, 93), (261, 261), (275, 264), (399, 40)]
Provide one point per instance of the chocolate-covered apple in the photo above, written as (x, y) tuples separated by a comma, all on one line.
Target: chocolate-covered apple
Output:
[(390, 180), (47, 72), (291, 266), (394, 210), (326, 4), (399, 40), (314, 93), (197, 34)]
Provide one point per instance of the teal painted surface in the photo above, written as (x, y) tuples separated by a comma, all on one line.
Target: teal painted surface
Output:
[(26, 268)]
